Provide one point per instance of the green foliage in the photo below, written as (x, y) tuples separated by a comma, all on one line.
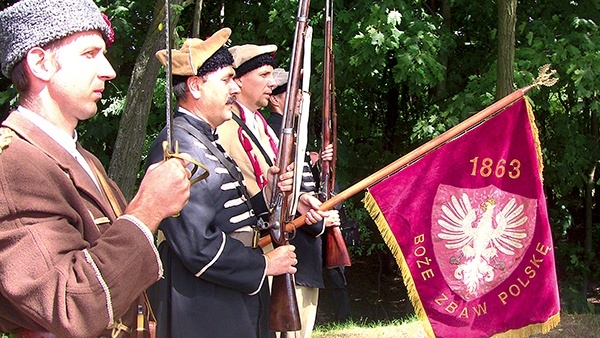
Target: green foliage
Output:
[(572, 302), (572, 299), (415, 44), (370, 240), (8, 97)]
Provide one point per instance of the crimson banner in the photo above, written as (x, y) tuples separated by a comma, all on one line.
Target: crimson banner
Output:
[(468, 225)]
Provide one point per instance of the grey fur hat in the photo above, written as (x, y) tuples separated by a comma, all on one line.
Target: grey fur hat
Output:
[(36, 23)]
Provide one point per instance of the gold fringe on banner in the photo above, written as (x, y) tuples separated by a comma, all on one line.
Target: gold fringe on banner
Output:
[(379, 219), (536, 137), (529, 330)]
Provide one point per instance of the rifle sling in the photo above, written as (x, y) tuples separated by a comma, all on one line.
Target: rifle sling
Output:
[(253, 138), (228, 164)]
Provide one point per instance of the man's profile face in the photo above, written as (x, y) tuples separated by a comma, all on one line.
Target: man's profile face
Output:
[(217, 95), (256, 86), (79, 72)]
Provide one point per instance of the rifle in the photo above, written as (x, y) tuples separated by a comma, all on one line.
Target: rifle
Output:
[(284, 315), (336, 252)]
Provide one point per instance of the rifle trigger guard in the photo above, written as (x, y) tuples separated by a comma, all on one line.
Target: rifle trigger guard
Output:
[(194, 163), (293, 234)]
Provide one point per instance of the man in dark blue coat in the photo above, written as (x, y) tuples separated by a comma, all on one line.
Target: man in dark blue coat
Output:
[(215, 275)]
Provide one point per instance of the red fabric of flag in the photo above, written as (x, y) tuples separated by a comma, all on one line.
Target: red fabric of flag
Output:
[(468, 225)]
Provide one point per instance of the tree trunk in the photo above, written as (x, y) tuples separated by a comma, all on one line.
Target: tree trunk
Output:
[(589, 224), (507, 20), (127, 155), (197, 19)]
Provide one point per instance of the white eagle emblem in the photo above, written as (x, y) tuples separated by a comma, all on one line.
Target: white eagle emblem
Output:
[(479, 236)]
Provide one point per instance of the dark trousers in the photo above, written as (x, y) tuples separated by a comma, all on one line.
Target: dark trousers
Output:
[(335, 284)]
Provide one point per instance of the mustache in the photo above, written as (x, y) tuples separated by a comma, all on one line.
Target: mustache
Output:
[(231, 100)]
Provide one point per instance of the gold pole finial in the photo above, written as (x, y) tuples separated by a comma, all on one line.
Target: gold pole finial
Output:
[(545, 77)]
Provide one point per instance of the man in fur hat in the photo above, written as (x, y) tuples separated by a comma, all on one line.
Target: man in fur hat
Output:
[(254, 75), (215, 274), (74, 257)]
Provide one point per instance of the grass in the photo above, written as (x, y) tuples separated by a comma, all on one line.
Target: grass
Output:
[(409, 327), (571, 325)]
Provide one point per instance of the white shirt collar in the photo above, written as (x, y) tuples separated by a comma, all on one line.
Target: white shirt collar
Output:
[(69, 143), (57, 134), (250, 120)]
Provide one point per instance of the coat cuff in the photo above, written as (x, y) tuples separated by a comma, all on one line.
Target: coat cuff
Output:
[(149, 236)]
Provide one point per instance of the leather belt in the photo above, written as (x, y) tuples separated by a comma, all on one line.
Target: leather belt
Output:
[(248, 238), (31, 334)]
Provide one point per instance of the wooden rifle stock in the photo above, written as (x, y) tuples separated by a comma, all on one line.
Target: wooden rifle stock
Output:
[(284, 315), (334, 246)]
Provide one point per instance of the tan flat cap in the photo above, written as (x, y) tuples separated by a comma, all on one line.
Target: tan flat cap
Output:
[(194, 52), (244, 53), (281, 76)]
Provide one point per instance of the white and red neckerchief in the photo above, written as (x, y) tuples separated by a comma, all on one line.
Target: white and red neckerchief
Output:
[(261, 180)]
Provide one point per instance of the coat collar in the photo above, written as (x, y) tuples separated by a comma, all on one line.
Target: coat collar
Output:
[(199, 124), (81, 180)]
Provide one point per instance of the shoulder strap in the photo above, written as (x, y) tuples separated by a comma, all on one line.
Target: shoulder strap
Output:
[(106, 190), (228, 164), (253, 138)]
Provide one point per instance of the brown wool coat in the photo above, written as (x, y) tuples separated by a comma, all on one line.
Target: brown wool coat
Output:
[(59, 270)]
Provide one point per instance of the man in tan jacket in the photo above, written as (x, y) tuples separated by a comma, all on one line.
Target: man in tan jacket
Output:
[(254, 66), (254, 75), (74, 257)]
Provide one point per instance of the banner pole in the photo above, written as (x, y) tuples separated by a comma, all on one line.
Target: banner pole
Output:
[(410, 157)]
